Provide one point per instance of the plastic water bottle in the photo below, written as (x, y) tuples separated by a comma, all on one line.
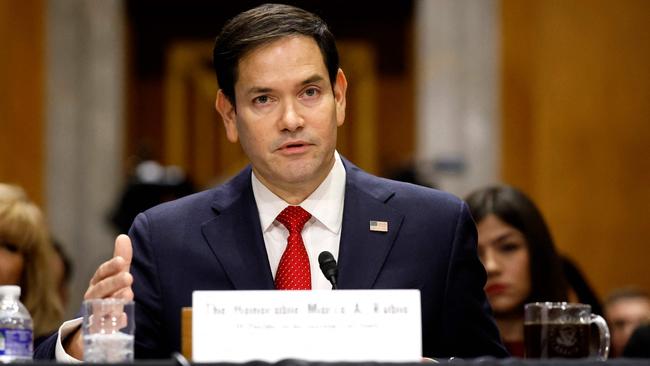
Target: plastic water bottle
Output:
[(16, 339)]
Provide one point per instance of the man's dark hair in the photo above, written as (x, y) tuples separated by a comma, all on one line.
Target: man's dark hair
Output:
[(262, 25), (513, 207)]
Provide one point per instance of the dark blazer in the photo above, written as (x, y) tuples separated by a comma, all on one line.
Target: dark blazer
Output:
[(213, 241)]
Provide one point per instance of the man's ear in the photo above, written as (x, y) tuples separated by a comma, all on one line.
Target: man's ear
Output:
[(228, 114), (340, 89)]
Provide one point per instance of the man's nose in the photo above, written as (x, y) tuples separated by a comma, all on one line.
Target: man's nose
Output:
[(291, 118)]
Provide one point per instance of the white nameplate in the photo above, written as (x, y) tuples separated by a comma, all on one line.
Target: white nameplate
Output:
[(341, 325)]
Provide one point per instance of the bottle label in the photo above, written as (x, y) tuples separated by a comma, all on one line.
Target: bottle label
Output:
[(16, 342)]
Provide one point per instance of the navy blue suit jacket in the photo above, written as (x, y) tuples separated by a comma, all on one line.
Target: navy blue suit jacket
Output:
[(213, 241)]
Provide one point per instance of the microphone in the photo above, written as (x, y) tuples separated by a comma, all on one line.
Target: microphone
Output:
[(327, 264)]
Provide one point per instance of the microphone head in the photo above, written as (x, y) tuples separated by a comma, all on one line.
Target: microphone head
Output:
[(327, 264)]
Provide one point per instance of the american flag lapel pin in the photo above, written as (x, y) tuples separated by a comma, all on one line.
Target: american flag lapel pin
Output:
[(380, 226)]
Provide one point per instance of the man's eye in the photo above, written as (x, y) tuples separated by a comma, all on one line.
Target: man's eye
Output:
[(311, 92), (262, 99)]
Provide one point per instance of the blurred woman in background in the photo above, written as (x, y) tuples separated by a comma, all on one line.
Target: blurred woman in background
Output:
[(519, 257), (26, 258)]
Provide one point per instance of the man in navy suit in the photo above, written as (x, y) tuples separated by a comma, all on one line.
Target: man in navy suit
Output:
[(283, 97)]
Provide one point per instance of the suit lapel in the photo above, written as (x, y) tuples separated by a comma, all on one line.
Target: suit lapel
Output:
[(235, 236), (362, 252)]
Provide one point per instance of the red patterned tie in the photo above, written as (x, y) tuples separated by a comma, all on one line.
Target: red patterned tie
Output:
[(293, 272)]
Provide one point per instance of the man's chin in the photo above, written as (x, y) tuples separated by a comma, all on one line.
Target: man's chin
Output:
[(297, 177), (298, 171)]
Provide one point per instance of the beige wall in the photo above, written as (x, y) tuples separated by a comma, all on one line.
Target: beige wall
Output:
[(21, 95), (576, 127)]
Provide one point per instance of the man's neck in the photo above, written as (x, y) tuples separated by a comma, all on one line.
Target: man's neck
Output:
[(292, 194), (295, 193)]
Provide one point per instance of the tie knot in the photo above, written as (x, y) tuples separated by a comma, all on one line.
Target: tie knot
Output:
[(294, 218)]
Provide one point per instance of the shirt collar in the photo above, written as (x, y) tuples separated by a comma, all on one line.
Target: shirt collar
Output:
[(325, 204)]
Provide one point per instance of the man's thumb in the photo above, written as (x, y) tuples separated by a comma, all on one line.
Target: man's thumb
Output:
[(123, 248)]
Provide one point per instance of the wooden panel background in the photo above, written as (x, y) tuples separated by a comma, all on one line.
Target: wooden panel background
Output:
[(576, 127), (22, 95)]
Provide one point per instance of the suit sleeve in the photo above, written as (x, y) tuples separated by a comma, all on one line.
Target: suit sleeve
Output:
[(149, 334), (467, 317), (46, 349)]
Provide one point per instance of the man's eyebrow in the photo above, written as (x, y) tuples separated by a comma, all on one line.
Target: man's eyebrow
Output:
[(258, 90), (312, 79), (263, 90)]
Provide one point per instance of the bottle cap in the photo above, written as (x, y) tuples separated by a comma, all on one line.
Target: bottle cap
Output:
[(10, 290)]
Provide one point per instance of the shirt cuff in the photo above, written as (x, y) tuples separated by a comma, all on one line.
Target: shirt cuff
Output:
[(64, 331)]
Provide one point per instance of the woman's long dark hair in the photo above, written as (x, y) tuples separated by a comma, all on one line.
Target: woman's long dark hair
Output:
[(511, 206)]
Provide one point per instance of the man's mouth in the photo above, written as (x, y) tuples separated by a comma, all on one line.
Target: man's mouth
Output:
[(294, 147)]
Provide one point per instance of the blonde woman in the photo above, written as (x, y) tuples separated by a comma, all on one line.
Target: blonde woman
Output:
[(26, 256)]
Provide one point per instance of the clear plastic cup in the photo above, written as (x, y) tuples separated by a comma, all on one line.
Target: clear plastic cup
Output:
[(108, 330)]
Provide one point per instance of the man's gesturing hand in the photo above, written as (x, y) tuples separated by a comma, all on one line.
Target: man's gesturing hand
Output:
[(112, 278)]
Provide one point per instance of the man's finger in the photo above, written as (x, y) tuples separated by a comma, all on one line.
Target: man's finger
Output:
[(125, 293), (109, 286), (109, 268), (123, 248)]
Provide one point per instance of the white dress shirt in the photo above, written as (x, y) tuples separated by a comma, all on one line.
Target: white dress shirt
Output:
[(322, 231)]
